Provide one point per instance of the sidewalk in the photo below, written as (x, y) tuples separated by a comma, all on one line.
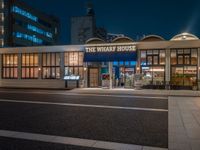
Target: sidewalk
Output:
[(184, 123), (189, 93)]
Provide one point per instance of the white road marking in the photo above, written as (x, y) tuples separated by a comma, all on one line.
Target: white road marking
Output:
[(74, 141), (83, 105), (88, 94)]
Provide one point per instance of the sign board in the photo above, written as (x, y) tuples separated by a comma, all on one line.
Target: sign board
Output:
[(72, 77), (110, 53)]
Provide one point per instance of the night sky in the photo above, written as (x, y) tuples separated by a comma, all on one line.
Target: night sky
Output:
[(130, 17)]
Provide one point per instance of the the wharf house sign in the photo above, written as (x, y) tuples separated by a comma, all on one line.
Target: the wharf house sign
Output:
[(110, 53), (100, 49)]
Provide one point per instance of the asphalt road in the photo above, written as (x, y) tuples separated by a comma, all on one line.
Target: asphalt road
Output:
[(125, 120)]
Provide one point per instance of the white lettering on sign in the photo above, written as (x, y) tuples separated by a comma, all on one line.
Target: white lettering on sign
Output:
[(101, 49)]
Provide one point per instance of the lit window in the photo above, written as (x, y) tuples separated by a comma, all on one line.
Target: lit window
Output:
[(2, 16), (40, 31), (9, 66), (24, 13), (30, 66), (51, 65), (2, 5), (31, 38), (74, 64), (1, 30)]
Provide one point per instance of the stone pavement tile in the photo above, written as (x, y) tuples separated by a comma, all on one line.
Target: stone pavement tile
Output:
[(175, 121), (189, 119), (193, 133), (197, 116), (153, 148), (178, 138), (179, 146), (195, 144), (189, 126), (177, 130)]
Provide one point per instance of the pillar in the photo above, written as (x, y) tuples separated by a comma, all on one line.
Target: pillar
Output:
[(198, 68), (39, 65), (19, 66), (110, 68), (85, 69), (167, 67), (62, 66), (1, 60)]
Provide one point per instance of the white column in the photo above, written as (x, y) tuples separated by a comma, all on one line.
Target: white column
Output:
[(110, 66), (198, 68), (62, 66), (19, 66), (85, 75), (138, 64), (1, 60), (39, 65), (167, 65)]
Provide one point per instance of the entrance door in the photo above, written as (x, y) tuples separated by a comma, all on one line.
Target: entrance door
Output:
[(93, 77)]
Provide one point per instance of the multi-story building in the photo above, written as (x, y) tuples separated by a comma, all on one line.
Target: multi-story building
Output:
[(22, 25), (84, 28), (153, 62)]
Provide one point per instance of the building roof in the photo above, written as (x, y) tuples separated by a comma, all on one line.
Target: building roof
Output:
[(151, 38), (122, 40), (184, 36), (95, 41)]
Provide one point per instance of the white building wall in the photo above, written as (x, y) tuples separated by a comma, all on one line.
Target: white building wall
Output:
[(32, 83)]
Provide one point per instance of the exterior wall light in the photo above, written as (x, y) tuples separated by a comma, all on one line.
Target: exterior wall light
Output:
[(39, 69), (84, 68)]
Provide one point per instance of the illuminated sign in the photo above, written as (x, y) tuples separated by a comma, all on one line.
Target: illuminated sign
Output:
[(110, 53), (72, 77), (102, 49)]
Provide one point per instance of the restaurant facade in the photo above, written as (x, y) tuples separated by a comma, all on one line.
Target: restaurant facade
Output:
[(151, 63)]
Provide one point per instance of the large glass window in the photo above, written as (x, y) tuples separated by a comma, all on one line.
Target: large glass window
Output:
[(74, 64), (153, 67), (30, 66), (186, 75), (183, 67), (154, 75), (162, 57), (10, 66), (184, 57), (152, 57), (193, 57), (50, 65)]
